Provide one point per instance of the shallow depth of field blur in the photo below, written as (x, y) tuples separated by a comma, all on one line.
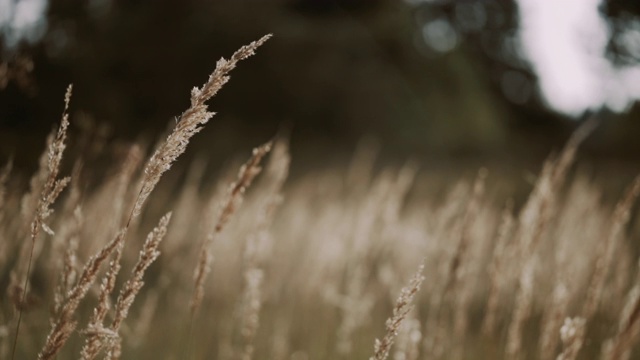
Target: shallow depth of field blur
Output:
[(495, 143)]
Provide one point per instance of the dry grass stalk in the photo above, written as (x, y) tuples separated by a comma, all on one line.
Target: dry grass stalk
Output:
[(375, 207), (572, 335), (454, 274), (50, 191), (369, 212), (258, 246), (620, 346), (622, 278), (186, 208), (116, 193), (461, 289), (533, 222), (51, 186), (93, 341), (400, 311), (252, 298), (227, 208), (536, 212), (123, 182), (69, 269), (408, 341), (30, 200), (64, 324), (568, 154), (95, 330), (252, 304), (355, 307), (67, 219), (619, 220), (356, 303), (552, 322), (436, 335), (521, 312), (457, 263), (158, 164), (191, 121), (540, 205), (49, 160), (277, 170), (131, 288), (501, 251)]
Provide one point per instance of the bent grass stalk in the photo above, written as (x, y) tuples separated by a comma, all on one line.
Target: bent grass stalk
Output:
[(228, 207), (190, 123), (50, 192)]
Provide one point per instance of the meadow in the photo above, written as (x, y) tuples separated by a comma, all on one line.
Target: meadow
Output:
[(351, 263)]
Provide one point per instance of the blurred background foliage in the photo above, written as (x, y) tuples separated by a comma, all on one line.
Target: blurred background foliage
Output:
[(440, 81)]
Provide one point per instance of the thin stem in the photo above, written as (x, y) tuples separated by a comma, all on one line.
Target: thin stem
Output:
[(24, 292)]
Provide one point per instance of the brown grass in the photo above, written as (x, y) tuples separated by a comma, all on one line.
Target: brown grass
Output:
[(311, 267)]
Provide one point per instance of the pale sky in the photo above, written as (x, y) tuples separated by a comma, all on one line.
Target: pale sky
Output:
[(565, 43), (22, 20)]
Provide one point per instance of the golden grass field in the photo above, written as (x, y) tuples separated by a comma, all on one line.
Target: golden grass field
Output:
[(345, 264)]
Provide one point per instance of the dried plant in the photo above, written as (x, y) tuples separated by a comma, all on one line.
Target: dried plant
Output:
[(160, 162), (148, 255), (408, 340), (229, 205), (523, 305), (322, 258), (69, 269), (50, 191), (97, 335), (93, 343), (190, 121), (257, 248), (607, 249), (502, 249), (400, 311), (620, 346), (461, 288), (552, 323), (572, 334), (533, 222), (64, 325)]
